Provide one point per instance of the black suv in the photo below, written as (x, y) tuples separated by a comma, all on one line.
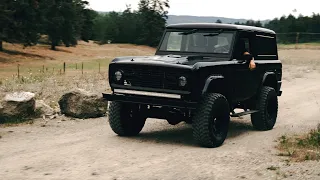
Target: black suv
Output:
[(200, 75)]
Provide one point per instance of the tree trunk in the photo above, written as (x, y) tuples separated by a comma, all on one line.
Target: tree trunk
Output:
[(53, 45), (1, 47)]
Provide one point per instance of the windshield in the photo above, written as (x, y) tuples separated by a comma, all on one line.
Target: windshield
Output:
[(197, 42)]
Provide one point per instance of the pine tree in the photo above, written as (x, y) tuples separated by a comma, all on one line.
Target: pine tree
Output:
[(144, 26), (66, 21), (112, 31), (70, 24), (53, 21), (152, 22), (6, 24), (27, 22), (87, 25), (19, 22)]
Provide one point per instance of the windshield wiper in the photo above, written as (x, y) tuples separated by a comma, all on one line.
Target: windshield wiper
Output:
[(189, 32), (198, 57), (214, 34)]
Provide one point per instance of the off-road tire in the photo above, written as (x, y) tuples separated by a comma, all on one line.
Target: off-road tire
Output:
[(211, 107), (267, 105), (125, 119)]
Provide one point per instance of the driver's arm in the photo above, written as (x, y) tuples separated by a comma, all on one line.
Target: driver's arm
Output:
[(252, 64)]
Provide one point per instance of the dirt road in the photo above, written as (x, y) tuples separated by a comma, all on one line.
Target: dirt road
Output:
[(88, 149)]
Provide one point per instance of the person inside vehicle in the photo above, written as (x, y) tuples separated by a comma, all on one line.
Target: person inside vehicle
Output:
[(199, 43)]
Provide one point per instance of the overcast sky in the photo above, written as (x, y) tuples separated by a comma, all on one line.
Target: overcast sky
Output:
[(248, 9)]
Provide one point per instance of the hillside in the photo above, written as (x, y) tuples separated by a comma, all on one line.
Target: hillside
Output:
[(173, 19)]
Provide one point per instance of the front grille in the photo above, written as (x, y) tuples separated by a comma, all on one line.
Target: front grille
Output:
[(144, 76)]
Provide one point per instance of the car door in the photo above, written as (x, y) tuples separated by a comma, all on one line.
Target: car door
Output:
[(245, 80)]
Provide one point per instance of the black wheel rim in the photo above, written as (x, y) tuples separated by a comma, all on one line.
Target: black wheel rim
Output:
[(218, 126)]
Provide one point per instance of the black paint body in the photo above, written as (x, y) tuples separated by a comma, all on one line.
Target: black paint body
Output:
[(219, 73)]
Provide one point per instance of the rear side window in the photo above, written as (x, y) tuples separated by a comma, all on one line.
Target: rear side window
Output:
[(265, 47)]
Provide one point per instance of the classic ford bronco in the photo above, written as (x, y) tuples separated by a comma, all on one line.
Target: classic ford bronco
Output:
[(200, 75)]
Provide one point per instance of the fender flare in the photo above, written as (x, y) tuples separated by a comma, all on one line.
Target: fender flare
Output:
[(266, 76), (208, 81)]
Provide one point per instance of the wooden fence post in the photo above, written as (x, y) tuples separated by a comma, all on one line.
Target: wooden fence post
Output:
[(297, 40), (18, 70), (64, 67), (82, 67)]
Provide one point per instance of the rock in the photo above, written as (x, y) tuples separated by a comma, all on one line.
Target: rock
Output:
[(44, 108), (17, 105), (1, 108), (82, 104), (53, 117)]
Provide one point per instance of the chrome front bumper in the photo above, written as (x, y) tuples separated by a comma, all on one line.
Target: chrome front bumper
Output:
[(149, 98)]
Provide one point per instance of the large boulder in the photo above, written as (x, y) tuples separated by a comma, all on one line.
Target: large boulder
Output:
[(17, 106), (83, 104)]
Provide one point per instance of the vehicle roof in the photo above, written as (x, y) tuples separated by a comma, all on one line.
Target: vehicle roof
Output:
[(219, 26)]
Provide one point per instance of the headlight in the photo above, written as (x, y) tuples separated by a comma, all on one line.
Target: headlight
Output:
[(118, 75), (182, 81)]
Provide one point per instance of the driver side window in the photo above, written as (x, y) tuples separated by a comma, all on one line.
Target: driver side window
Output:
[(242, 45), (247, 44)]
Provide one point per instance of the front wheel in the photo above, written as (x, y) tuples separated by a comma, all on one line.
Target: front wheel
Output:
[(211, 120), (267, 105), (126, 119)]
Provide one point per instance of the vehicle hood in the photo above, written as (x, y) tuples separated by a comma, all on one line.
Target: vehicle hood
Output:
[(165, 60)]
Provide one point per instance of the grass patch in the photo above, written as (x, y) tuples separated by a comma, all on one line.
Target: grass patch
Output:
[(301, 147), (39, 69), (314, 45)]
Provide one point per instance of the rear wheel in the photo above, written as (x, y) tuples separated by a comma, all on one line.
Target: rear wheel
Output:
[(211, 120), (126, 119), (267, 105)]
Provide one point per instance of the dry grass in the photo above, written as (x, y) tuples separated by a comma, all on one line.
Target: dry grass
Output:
[(50, 87), (300, 46), (301, 57), (91, 54), (83, 51), (299, 63), (41, 69), (301, 147)]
